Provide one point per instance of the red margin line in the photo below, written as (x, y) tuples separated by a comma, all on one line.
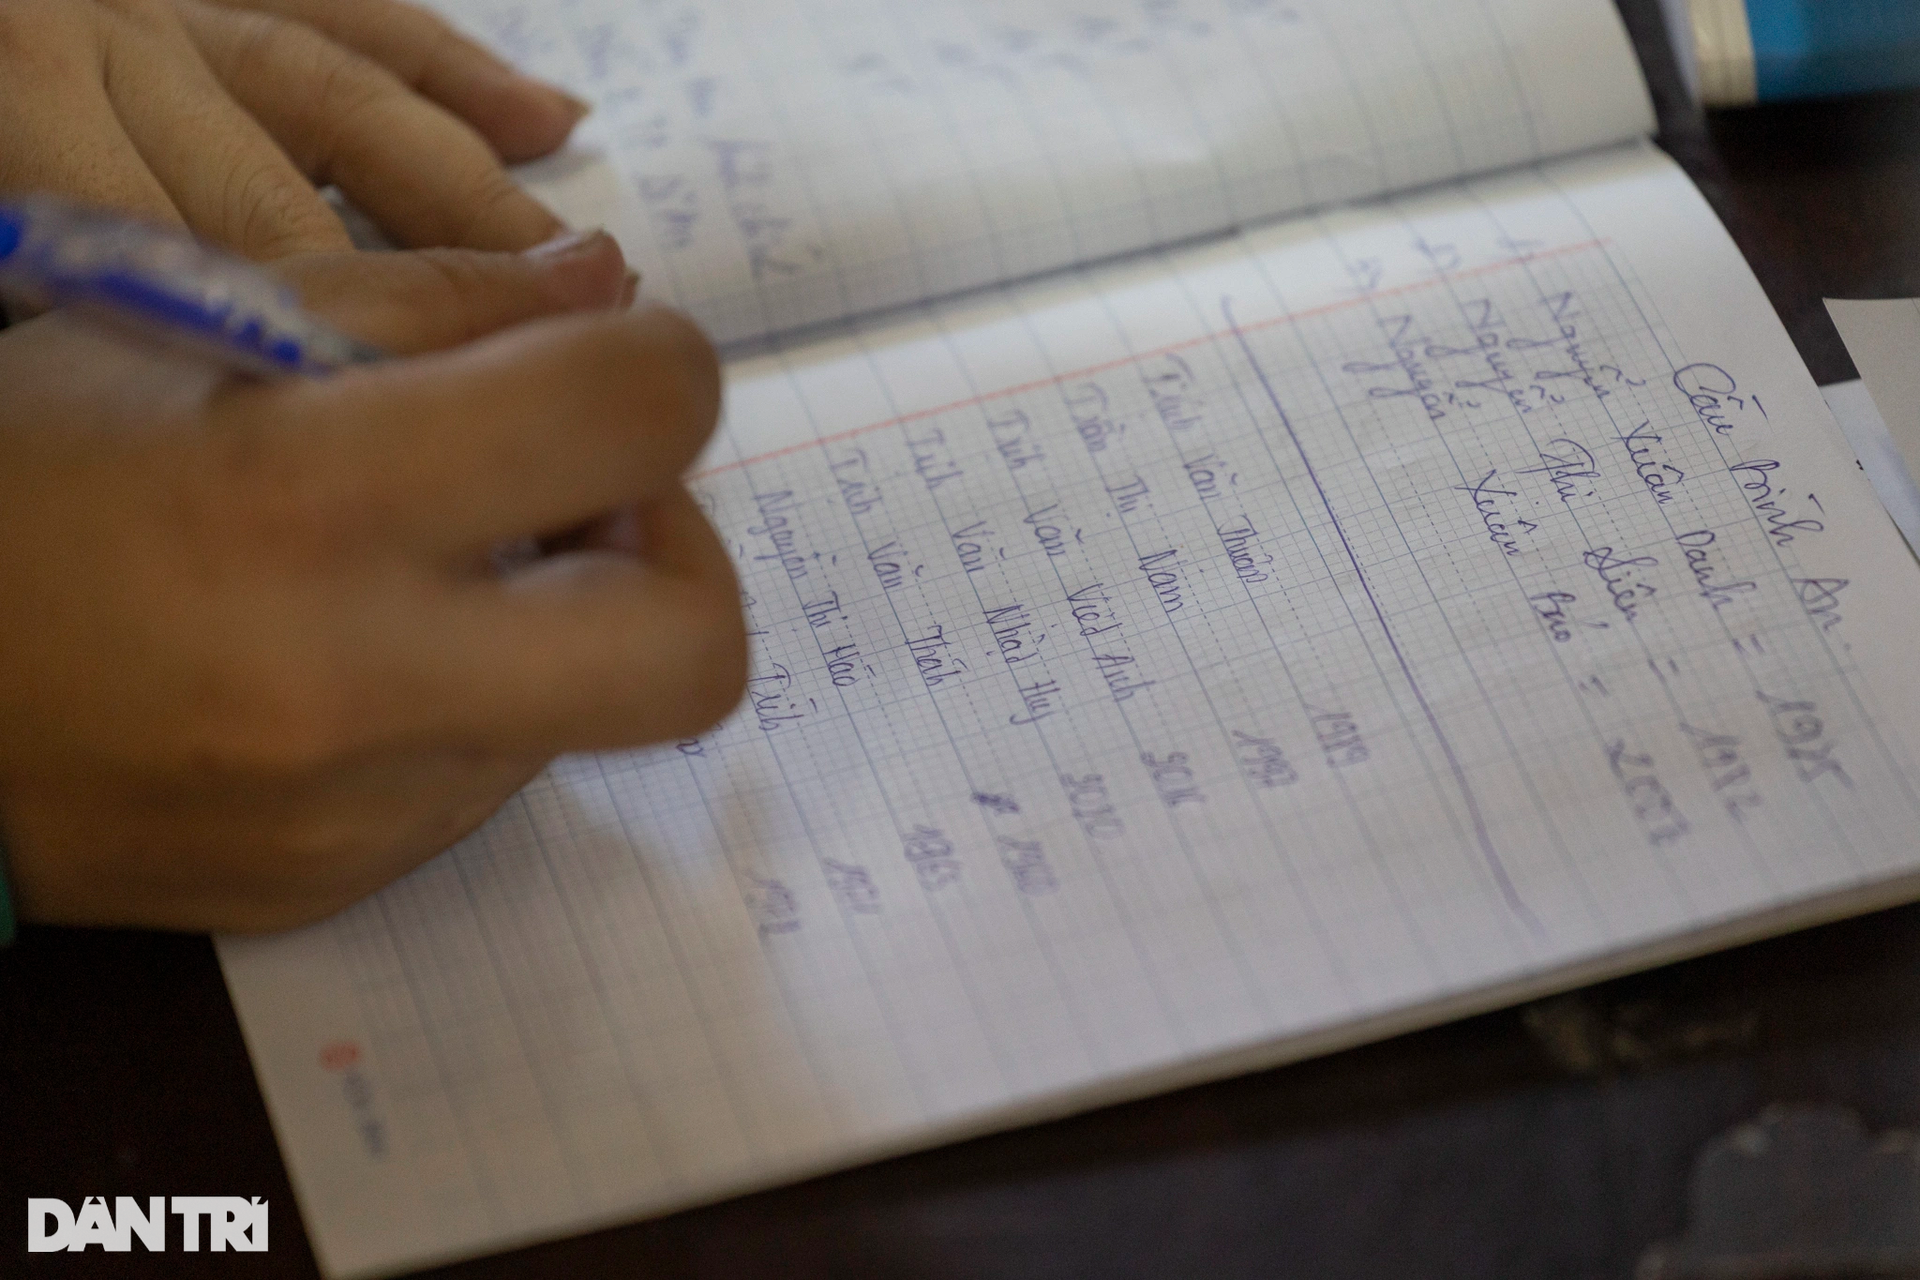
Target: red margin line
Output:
[(1290, 317)]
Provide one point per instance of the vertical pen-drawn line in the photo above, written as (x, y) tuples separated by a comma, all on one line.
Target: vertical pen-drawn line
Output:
[(1495, 865)]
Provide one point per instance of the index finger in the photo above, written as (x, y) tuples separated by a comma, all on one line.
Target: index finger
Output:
[(418, 170), (521, 117), (62, 131)]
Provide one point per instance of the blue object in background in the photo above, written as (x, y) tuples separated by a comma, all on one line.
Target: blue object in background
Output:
[(1738, 52), (1818, 48)]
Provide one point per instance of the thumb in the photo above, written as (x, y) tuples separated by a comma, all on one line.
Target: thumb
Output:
[(429, 300)]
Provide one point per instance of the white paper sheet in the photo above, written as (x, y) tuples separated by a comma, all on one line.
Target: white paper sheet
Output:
[(1879, 457), (772, 163), (1883, 337), (1161, 670)]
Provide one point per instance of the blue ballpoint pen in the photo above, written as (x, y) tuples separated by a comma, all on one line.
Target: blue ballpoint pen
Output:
[(162, 283)]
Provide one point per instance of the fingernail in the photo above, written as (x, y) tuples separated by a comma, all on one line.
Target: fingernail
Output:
[(584, 270), (566, 245), (576, 107), (629, 291)]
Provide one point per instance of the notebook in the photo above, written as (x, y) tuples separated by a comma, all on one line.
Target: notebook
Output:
[(1264, 525)]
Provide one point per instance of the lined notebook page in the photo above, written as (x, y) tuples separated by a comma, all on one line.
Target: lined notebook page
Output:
[(772, 163), (1160, 670)]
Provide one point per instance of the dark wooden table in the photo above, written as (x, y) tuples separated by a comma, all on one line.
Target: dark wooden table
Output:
[(1548, 1142)]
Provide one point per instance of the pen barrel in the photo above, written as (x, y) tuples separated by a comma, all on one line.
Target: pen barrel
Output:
[(1748, 51), (162, 284)]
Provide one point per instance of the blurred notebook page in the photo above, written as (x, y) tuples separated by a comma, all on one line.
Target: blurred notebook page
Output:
[(1161, 670), (773, 163)]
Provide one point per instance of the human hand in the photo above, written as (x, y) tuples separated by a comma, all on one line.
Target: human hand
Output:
[(224, 114), (253, 663)]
